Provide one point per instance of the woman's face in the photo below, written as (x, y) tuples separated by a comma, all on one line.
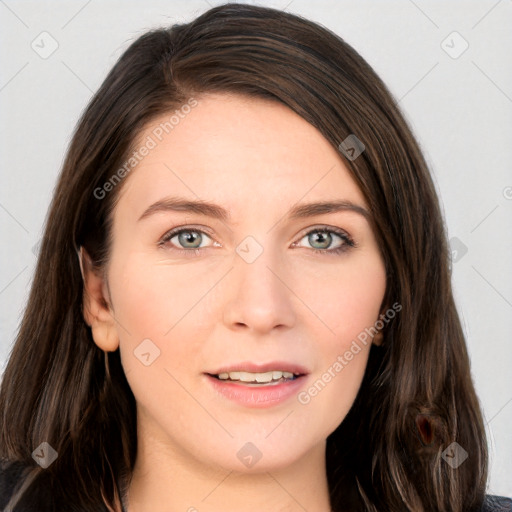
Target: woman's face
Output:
[(242, 288)]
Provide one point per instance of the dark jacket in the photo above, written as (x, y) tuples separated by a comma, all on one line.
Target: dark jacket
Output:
[(9, 477)]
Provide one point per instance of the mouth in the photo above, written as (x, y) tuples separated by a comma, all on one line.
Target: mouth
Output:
[(258, 385), (257, 379), (253, 374)]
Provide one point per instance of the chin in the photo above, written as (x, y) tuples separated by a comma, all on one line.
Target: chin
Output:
[(252, 455)]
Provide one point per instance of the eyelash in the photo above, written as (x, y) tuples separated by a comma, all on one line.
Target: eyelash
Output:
[(348, 241)]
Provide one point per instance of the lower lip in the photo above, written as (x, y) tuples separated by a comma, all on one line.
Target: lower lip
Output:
[(257, 396)]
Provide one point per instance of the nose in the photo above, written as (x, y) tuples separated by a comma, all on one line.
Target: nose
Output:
[(260, 297)]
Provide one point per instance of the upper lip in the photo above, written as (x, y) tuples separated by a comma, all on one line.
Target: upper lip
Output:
[(251, 367)]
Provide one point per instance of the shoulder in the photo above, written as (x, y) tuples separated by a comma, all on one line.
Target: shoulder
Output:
[(15, 477), (496, 504), (10, 475), (40, 491)]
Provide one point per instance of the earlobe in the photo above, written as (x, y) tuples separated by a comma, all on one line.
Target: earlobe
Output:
[(378, 339), (97, 311)]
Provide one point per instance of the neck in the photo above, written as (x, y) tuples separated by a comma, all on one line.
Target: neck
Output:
[(165, 479)]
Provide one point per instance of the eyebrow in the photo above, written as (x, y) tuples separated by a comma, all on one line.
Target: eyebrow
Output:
[(215, 211)]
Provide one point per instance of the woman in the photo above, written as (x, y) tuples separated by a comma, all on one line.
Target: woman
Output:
[(242, 299)]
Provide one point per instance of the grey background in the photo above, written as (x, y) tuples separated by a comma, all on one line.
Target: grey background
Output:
[(459, 108)]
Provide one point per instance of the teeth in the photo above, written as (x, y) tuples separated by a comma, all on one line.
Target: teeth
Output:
[(255, 377)]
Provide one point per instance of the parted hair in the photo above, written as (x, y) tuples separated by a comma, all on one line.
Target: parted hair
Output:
[(417, 396)]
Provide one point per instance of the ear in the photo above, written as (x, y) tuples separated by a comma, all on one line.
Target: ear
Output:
[(379, 337), (97, 309)]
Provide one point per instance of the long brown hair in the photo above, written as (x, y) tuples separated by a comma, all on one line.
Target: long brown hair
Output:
[(417, 396)]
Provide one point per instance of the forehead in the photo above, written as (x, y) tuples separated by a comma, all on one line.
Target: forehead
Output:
[(238, 151)]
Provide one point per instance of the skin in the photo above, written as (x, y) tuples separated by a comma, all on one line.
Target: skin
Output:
[(257, 159)]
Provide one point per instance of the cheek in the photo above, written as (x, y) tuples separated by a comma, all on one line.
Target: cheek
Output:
[(151, 296), (332, 388), (346, 298), (167, 305)]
